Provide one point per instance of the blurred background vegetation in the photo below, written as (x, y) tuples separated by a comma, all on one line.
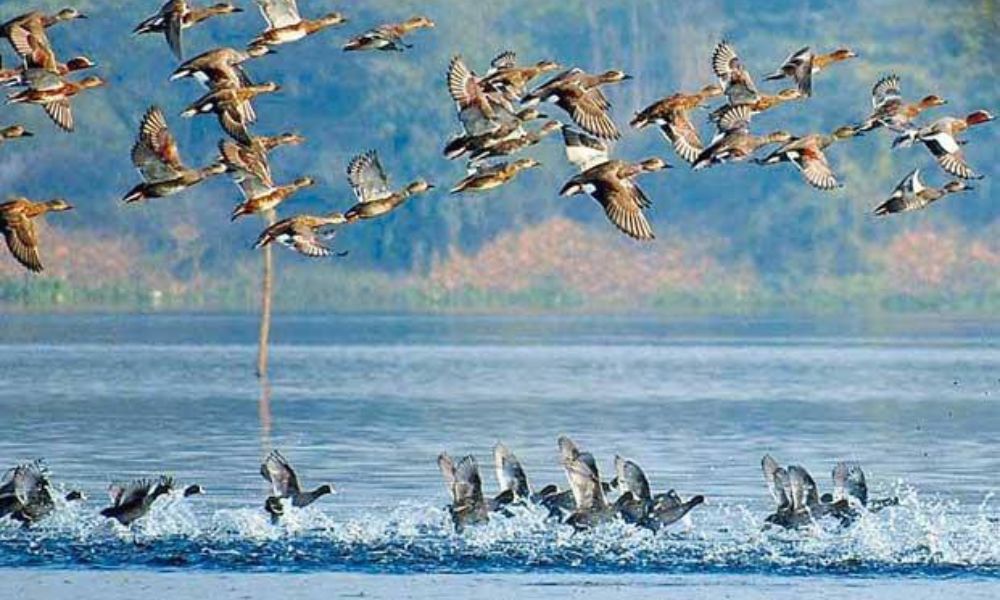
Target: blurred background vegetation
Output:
[(735, 239)]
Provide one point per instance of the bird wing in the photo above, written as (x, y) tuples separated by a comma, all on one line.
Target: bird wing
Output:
[(910, 185), (801, 66), (155, 151), (279, 13), (133, 491), (849, 481), (463, 85), (246, 161), (815, 168), (885, 90), (276, 470), (251, 186), (233, 122), (587, 111), (173, 26), (948, 153), (61, 113), (368, 178), (28, 479), (632, 479), (303, 239), (510, 473), (731, 72), (585, 482), (681, 133), (734, 118), (776, 479), (584, 150), (804, 492), (623, 203), (504, 60), (22, 239), (32, 43)]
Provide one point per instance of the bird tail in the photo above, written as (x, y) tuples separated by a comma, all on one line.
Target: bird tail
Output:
[(906, 140), (135, 195)]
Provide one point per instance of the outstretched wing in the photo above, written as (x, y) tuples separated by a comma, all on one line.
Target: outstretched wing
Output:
[(776, 479), (885, 90), (632, 479), (804, 492), (368, 178), (276, 470), (584, 480), (22, 240), (279, 13), (510, 473), (584, 150), (728, 67), (155, 151), (849, 482)]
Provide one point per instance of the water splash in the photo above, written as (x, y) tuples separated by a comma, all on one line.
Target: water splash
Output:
[(923, 536)]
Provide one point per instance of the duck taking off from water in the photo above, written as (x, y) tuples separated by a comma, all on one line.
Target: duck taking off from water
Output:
[(132, 501), (638, 505), (285, 484), (27, 496), (797, 498), (468, 506)]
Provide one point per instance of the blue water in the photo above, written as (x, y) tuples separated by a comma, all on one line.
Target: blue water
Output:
[(367, 403)]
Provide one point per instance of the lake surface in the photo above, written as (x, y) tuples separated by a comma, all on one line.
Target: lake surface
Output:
[(367, 403)]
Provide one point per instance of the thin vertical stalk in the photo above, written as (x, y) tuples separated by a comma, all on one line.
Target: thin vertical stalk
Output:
[(267, 287)]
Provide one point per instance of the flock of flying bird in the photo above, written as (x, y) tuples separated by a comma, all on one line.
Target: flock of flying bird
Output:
[(495, 111), (28, 496)]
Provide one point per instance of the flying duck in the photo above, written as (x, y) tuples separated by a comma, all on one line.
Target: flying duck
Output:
[(488, 177), (302, 233), (941, 139), (610, 182), (220, 67), (515, 143), (468, 506), (510, 79), (371, 186), (737, 84), (285, 24), (806, 153), (889, 110), (911, 194), (671, 114), (762, 103), (259, 197), (388, 37), (156, 157), (26, 33), (229, 105), (579, 94), (17, 224), (177, 15), (285, 483), (504, 127), (803, 64), (734, 142), (478, 108), (241, 159), (13, 132), (53, 93)]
